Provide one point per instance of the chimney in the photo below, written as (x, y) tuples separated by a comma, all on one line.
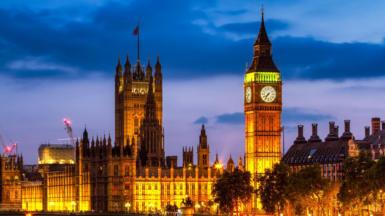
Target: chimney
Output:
[(300, 138), (367, 132), (383, 125), (376, 125), (336, 131), (333, 132), (300, 130), (347, 126), (314, 133), (347, 134), (331, 127)]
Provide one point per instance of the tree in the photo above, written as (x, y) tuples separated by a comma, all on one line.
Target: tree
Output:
[(377, 179), (306, 189), (232, 189), (272, 188), (187, 202), (356, 187)]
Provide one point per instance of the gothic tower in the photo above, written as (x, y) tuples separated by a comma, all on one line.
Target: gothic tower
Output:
[(203, 150), (262, 107), (151, 133), (131, 90)]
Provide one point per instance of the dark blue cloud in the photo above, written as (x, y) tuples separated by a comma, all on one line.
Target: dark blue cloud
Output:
[(252, 27), (296, 115), (231, 118), (93, 43), (201, 120), (289, 116)]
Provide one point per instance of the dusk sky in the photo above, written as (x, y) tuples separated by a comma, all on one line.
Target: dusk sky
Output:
[(57, 59)]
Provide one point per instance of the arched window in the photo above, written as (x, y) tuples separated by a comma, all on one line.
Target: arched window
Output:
[(126, 170)]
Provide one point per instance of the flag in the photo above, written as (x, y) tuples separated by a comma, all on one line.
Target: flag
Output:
[(136, 30)]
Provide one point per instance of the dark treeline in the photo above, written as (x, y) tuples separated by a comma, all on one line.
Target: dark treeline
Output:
[(360, 191)]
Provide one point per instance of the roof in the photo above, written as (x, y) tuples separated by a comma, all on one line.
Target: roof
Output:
[(262, 35), (317, 152), (56, 146), (33, 176), (262, 60)]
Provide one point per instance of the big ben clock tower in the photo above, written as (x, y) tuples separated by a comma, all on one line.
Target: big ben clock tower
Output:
[(263, 107)]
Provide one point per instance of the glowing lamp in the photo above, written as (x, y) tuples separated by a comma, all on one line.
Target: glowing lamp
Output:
[(218, 166)]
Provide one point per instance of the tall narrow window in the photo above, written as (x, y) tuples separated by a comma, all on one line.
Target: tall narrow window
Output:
[(136, 124), (116, 170), (126, 171)]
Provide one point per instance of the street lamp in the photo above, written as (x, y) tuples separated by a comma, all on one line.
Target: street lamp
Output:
[(127, 205)]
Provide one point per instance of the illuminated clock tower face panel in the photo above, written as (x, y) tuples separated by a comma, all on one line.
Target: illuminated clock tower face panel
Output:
[(268, 94)]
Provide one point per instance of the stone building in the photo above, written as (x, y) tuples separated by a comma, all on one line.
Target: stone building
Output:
[(130, 174), (331, 152), (10, 181)]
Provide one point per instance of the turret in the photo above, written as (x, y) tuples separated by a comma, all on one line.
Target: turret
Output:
[(230, 164), (127, 71), (85, 139), (217, 166), (158, 89), (240, 164), (109, 145), (188, 156), (203, 150), (118, 69), (158, 72), (376, 125), (148, 70), (138, 71)]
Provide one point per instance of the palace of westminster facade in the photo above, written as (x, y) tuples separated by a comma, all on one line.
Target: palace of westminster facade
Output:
[(133, 174)]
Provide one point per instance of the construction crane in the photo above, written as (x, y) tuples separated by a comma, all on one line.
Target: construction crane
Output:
[(68, 127), (7, 149)]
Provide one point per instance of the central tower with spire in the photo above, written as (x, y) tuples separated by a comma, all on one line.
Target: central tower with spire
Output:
[(262, 108)]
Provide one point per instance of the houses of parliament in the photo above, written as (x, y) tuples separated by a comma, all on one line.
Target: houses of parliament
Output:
[(132, 173)]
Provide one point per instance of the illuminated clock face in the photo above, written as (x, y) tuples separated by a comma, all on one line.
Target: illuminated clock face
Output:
[(248, 94), (268, 94)]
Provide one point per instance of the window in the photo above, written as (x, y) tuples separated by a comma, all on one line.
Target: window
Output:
[(136, 124), (312, 152), (126, 171), (204, 159), (116, 170)]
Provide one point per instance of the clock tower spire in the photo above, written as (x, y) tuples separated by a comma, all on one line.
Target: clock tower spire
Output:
[(262, 108)]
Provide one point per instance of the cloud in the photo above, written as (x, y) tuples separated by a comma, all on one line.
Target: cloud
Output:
[(290, 115), (201, 120), (92, 41), (298, 115), (251, 28), (38, 66), (231, 118), (314, 19)]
